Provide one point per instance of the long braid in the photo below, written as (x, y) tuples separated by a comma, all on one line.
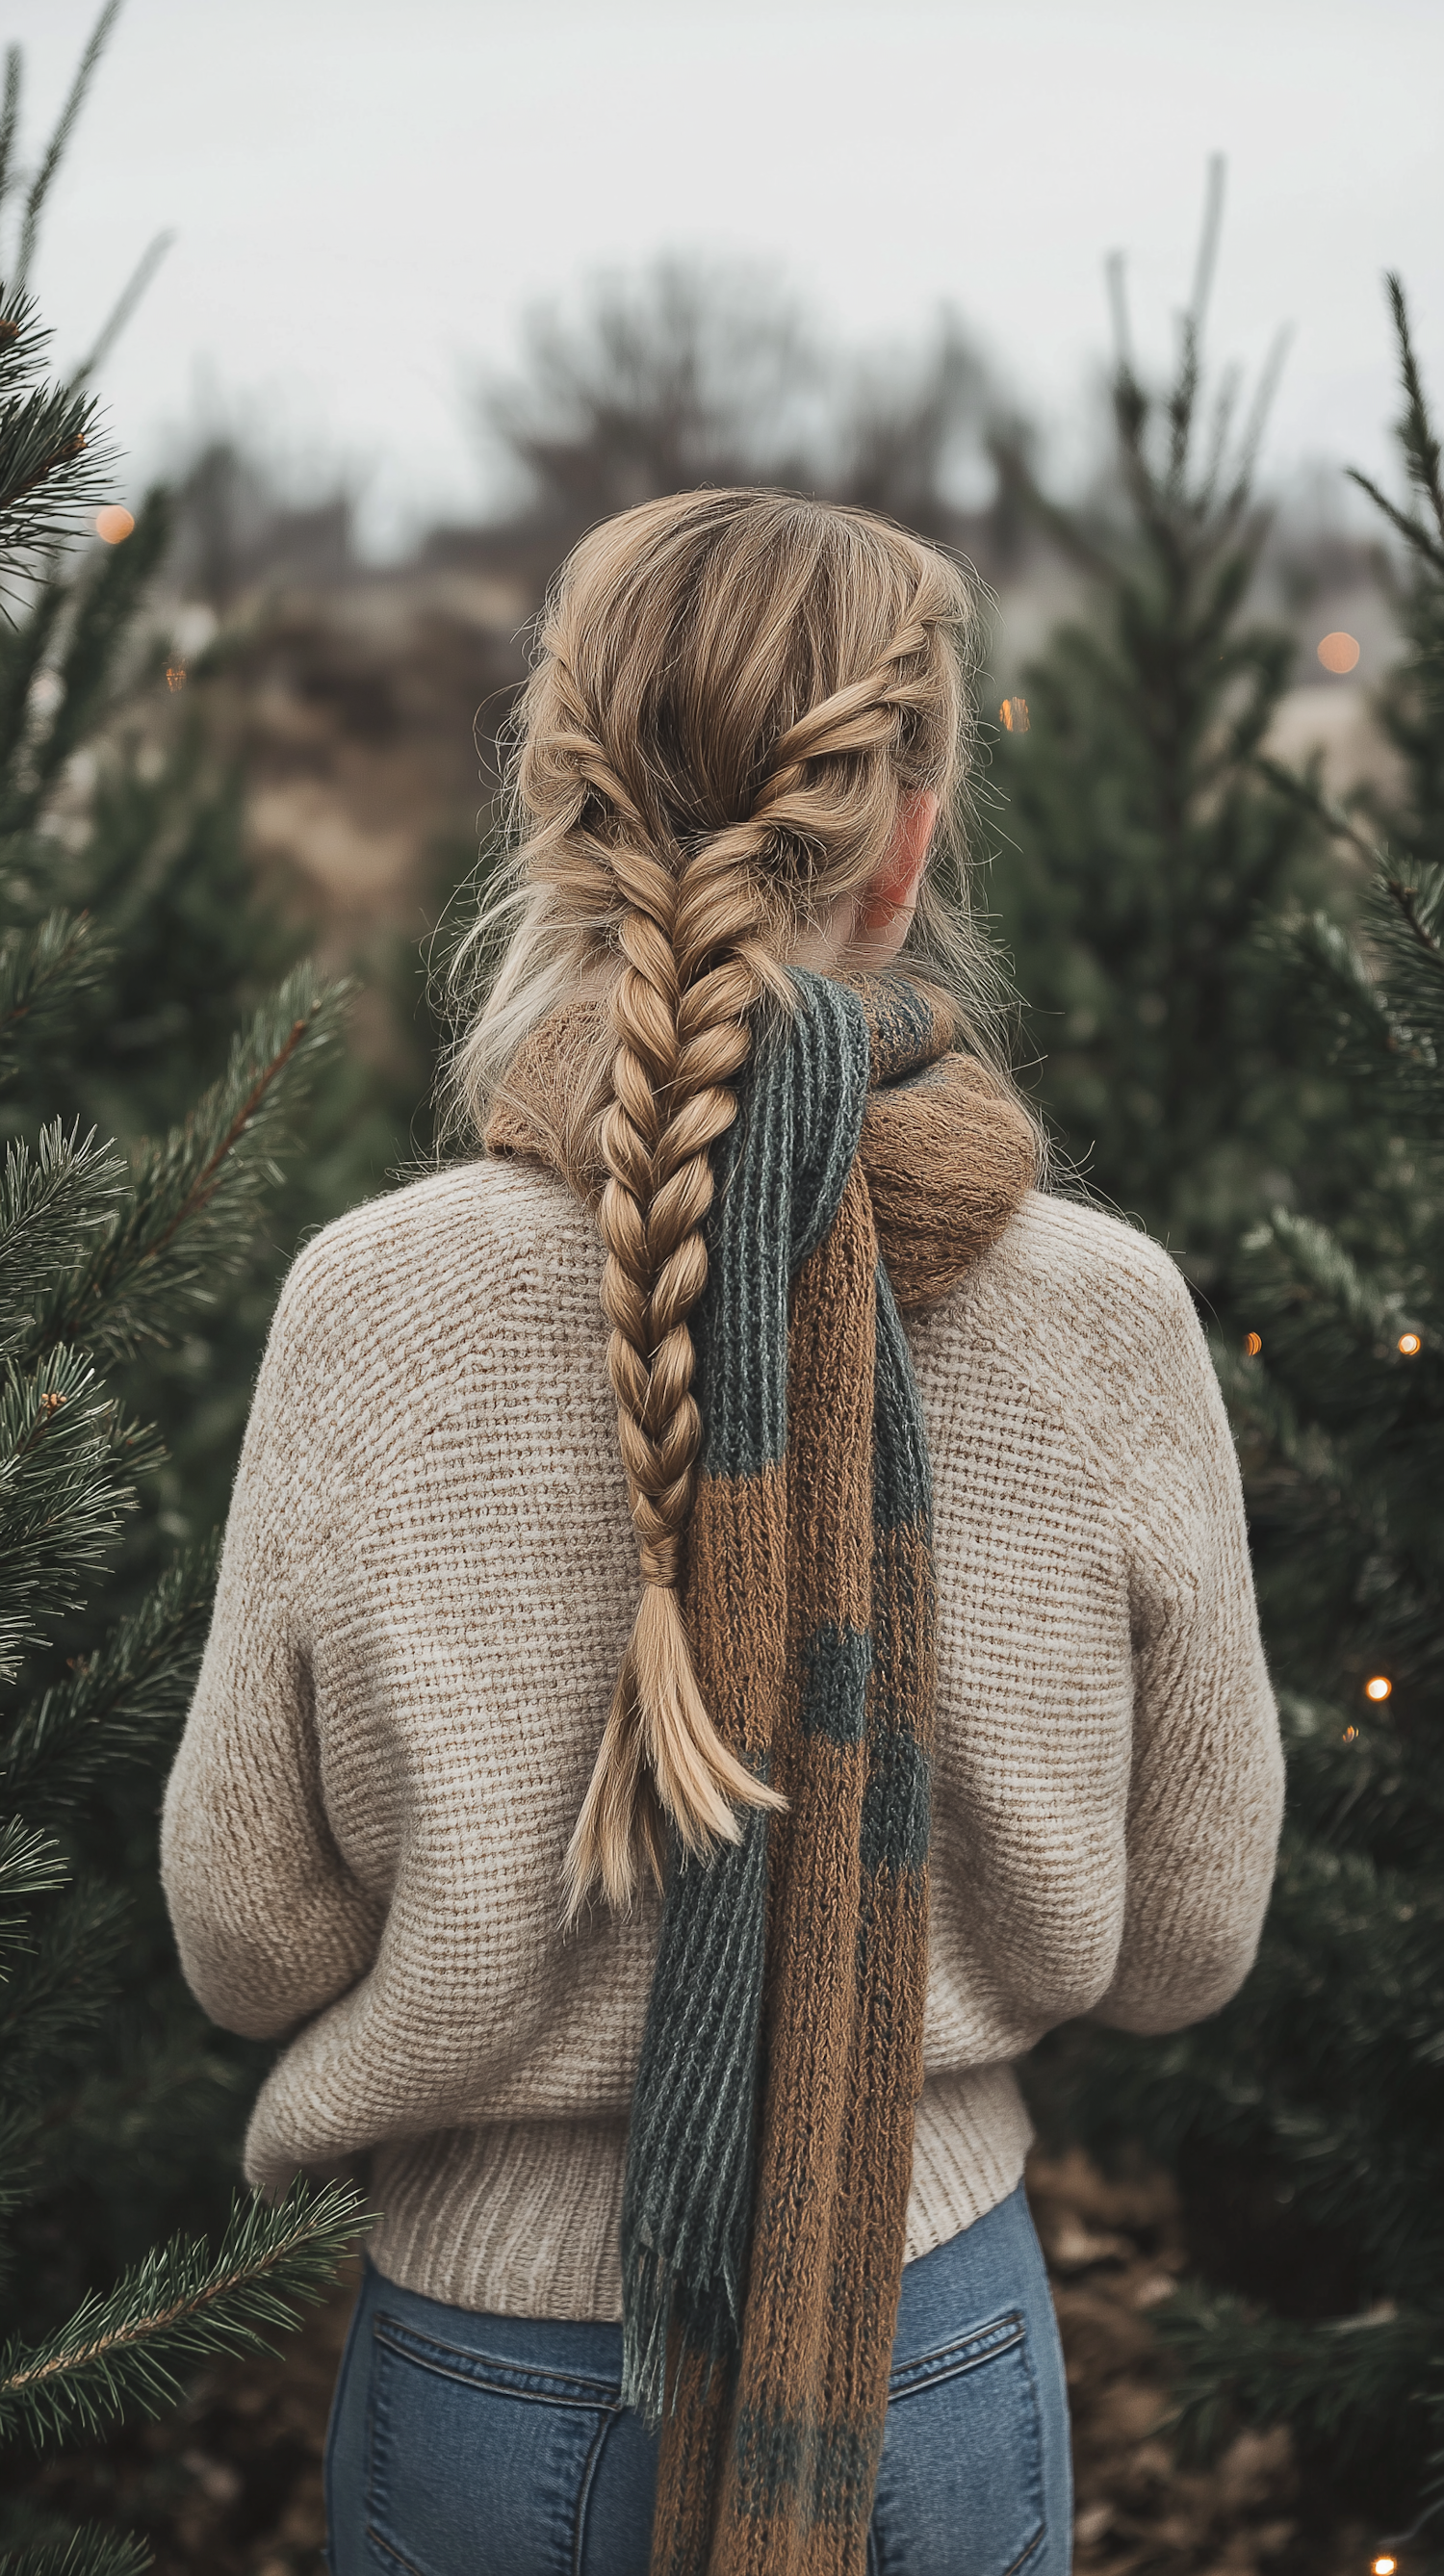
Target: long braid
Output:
[(682, 1029), (733, 692), (682, 1033)]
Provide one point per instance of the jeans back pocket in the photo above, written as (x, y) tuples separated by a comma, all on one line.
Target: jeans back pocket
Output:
[(960, 2486), (476, 2464)]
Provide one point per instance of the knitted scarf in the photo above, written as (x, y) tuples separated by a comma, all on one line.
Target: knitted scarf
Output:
[(770, 2149)]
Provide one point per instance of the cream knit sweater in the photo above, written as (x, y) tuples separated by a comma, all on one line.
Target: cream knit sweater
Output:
[(429, 1578)]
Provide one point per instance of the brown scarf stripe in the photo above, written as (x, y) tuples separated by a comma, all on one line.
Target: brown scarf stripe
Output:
[(770, 2152)]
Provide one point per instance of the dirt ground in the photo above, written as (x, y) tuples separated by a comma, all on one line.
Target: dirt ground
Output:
[(231, 2486)]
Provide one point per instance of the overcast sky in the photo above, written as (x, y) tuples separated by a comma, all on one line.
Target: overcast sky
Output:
[(366, 197)]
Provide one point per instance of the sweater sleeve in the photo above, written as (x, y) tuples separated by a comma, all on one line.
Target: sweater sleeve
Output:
[(1206, 1787), (269, 1922)]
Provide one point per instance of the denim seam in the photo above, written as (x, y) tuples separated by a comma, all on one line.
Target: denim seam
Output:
[(959, 2370), (970, 2352), (589, 2475), (328, 2484), (378, 2499), (491, 2374), (1039, 2536), (393, 2552), (1040, 2492)]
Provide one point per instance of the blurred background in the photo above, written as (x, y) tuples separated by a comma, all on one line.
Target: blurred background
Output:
[(445, 283), (384, 307)]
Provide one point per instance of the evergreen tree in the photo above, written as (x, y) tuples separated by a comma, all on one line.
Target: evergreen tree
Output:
[(113, 806), (1147, 844), (101, 1256), (1306, 2119)]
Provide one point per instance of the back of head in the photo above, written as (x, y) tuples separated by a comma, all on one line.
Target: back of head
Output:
[(733, 692)]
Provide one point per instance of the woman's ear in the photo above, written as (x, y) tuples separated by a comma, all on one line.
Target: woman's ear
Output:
[(892, 889)]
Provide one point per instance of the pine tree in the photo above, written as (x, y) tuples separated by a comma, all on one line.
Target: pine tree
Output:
[(100, 1256), (1143, 845), (113, 805), (1306, 2119)]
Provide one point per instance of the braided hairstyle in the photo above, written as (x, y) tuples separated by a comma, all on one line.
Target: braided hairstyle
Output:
[(732, 693)]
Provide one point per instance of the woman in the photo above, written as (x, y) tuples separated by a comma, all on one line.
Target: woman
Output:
[(678, 2051)]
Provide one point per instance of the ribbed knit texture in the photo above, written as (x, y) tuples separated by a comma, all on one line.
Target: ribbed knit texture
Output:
[(428, 1583), (771, 2138)]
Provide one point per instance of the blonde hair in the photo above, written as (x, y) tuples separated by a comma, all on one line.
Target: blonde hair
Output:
[(731, 694)]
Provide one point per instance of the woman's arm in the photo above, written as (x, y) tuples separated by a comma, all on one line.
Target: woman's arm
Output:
[(1206, 1793), (269, 1922)]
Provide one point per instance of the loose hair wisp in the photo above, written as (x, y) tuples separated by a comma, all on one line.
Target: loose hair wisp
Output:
[(732, 692)]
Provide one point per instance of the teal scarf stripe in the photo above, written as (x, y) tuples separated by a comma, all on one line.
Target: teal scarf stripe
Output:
[(780, 1172), (833, 2465), (836, 1662)]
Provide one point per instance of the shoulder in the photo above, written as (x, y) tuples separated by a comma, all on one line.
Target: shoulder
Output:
[(433, 1237), (398, 1278), (475, 1284), (1091, 1316), (1062, 1264)]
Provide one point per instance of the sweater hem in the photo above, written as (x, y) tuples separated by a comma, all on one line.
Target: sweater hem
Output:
[(522, 2218)]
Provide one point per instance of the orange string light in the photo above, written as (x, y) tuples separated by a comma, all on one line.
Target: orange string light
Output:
[(1338, 652), (1253, 1344), (1378, 1686), (1410, 1345)]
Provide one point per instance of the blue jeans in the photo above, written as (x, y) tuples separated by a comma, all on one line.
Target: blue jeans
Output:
[(466, 2445)]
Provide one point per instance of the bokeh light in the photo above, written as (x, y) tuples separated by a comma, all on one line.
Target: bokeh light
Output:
[(1378, 1686), (1013, 715), (1253, 1344), (113, 523), (1410, 1345), (1338, 652)]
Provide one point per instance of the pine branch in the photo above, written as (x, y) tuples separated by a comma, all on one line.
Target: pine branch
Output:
[(1416, 433), (121, 2350), (52, 465), (152, 2109), (1304, 789), (62, 1985), (49, 1200), (1416, 536), (130, 297), (1339, 2378), (9, 121), (197, 1194), (64, 126), (20, 2126), (1419, 908), (62, 1491), (24, 644), (30, 1865), (1320, 1265), (102, 608), (41, 972), (123, 1703), (92, 2549)]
